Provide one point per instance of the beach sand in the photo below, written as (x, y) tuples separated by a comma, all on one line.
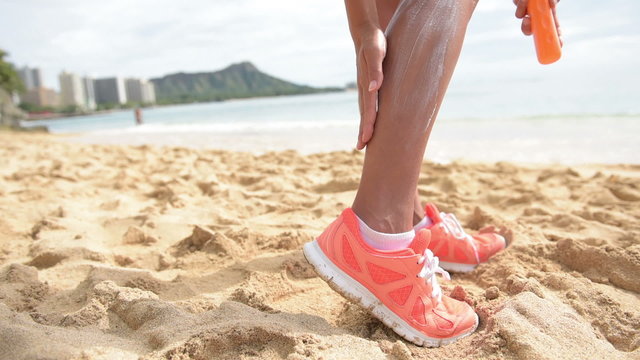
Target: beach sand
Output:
[(119, 252)]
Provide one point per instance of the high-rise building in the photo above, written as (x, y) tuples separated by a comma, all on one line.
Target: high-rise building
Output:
[(89, 93), (140, 91), (31, 77), (35, 92), (149, 93), (134, 89), (26, 77), (71, 90), (40, 96), (110, 91)]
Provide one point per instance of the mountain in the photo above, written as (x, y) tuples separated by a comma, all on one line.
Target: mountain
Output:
[(240, 80)]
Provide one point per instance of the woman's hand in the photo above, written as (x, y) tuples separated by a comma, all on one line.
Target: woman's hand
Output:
[(371, 47), (521, 13)]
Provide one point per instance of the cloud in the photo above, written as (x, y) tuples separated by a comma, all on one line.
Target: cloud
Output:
[(152, 38)]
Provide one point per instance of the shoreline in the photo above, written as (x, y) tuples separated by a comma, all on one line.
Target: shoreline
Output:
[(328, 122), (56, 116), (444, 146), (72, 138)]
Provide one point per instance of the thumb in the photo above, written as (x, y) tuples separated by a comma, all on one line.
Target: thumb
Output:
[(374, 60)]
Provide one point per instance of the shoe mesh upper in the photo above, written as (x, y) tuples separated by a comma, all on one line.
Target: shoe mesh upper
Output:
[(441, 321), (418, 312), (347, 254), (400, 295), (383, 275)]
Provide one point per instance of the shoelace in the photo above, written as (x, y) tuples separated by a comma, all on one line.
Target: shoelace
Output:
[(429, 270), (453, 226)]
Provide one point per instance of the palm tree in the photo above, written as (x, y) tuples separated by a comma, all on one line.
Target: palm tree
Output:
[(10, 82)]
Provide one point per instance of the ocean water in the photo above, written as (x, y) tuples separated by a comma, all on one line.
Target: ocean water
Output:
[(469, 126)]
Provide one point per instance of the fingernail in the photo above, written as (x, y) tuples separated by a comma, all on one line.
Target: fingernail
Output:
[(372, 85)]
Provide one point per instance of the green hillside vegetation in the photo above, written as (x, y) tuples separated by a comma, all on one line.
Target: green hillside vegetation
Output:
[(240, 80)]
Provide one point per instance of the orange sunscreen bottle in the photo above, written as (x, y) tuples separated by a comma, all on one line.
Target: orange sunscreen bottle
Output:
[(544, 31)]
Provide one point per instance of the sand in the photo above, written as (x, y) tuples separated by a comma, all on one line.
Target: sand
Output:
[(116, 252)]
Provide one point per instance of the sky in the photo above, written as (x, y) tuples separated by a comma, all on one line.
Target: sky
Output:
[(307, 42)]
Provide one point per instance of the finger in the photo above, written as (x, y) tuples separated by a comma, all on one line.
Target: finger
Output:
[(359, 143), (521, 10), (370, 117), (369, 102), (526, 26), (361, 93), (374, 58), (556, 21)]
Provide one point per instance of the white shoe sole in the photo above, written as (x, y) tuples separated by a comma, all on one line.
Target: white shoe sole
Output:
[(356, 292)]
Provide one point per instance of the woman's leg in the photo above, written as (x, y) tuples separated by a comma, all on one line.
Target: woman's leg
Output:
[(418, 209), (424, 39), (386, 9)]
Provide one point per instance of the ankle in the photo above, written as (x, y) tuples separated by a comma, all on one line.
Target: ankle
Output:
[(385, 241), (389, 222), (418, 217)]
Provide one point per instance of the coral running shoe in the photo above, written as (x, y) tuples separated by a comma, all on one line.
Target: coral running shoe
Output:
[(457, 250), (399, 288)]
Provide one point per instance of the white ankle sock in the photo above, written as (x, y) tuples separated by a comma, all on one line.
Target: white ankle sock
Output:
[(424, 223), (383, 241)]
